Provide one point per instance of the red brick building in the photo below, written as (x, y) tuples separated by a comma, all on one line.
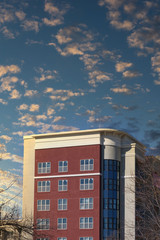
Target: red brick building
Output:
[(75, 184)]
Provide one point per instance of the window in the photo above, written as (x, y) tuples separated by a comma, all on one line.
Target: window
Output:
[(43, 205), (43, 186), (86, 238), (86, 203), (44, 167), (86, 165), (63, 166), (62, 204), (110, 223), (62, 223), (86, 223), (111, 165), (86, 184), (43, 224), (111, 184), (111, 203), (42, 238), (62, 185), (62, 238)]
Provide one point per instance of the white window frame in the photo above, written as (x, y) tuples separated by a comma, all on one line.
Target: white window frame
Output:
[(42, 239), (42, 186), (43, 224), (86, 165), (86, 238), (86, 203), (63, 186), (86, 223), (44, 167), (63, 168), (43, 205), (61, 225), (61, 238), (62, 204), (87, 185)]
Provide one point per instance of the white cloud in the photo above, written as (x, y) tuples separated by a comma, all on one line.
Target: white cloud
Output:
[(125, 25), (6, 138), (63, 127), (98, 77), (121, 66), (103, 119), (62, 94), (122, 90), (45, 74), (50, 111), (30, 93), (157, 82), (15, 94), (20, 15), (34, 108), (41, 117), (8, 83), (9, 69), (7, 33), (3, 101), (52, 22), (23, 107), (30, 25), (56, 14), (131, 74), (58, 118), (60, 105)]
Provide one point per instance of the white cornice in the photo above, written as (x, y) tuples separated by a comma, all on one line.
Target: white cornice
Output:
[(69, 175)]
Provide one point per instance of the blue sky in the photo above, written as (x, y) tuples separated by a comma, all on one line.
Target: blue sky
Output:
[(67, 65)]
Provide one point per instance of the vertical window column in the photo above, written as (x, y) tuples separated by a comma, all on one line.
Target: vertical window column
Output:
[(111, 169)]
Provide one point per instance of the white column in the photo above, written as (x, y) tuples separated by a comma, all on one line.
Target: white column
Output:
[(129, 192)]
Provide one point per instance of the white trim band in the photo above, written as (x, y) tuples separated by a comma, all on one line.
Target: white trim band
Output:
[(131, 176), (70, 175)]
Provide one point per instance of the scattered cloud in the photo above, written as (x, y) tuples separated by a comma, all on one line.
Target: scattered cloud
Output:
[(122, 90), (61, 94), (15, 94), (58, 118), (3, 101), (8, 83), (34, 108), (155, 60), (23, 107), (131, 74), (6, 138), (45, 75), (30, 93), (50, 111), (119, 107), (41, 117), (103, 119), (20, 15), (30, 25), (98, 77), (7, 33), (11, 69), (157, 82), (63, 127), (121, 66), (12, 157), (56, 15)]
